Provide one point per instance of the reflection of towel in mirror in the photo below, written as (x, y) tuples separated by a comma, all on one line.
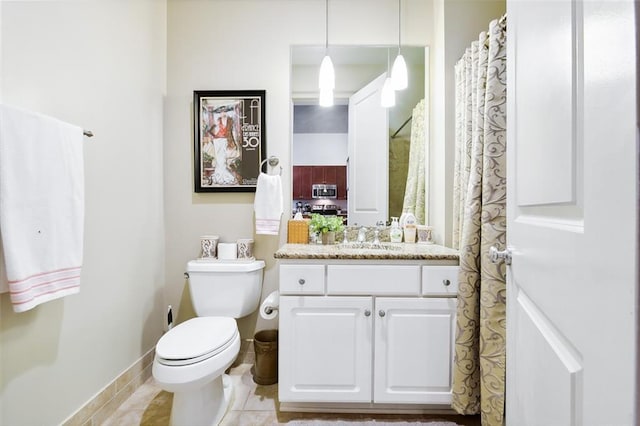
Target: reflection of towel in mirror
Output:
[(42, 208), (268, 204)]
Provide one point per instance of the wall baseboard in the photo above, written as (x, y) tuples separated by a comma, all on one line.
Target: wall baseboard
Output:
[(107, 401)]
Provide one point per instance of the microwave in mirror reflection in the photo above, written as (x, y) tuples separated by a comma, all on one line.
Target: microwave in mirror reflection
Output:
[(324, 191)]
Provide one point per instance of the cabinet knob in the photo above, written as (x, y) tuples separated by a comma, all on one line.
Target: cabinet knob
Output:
[(367, 313), (301, 281), (381, 313), (446, 282)]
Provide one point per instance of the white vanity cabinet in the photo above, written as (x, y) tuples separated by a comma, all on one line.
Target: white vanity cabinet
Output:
[(366, 334), (413, 350), (325, 349)]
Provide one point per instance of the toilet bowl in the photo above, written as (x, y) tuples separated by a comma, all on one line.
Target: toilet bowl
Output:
[(190, 361), (191, 358)]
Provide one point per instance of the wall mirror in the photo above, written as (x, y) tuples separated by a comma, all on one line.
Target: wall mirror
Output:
[(355, 151)]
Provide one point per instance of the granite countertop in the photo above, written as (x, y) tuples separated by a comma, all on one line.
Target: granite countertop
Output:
[(397, 251)]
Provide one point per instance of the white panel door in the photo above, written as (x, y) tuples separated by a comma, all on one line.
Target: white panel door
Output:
[(571, 211), (368, 165), (324, 349), (413, 350)]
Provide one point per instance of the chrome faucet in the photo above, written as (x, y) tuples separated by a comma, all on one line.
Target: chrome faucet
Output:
[(376, 232), (376, 240), (362, 234)]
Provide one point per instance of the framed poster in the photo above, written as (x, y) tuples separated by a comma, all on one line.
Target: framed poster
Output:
[(229, 139)]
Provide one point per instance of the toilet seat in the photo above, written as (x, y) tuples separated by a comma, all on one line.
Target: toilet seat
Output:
[(196, 340)]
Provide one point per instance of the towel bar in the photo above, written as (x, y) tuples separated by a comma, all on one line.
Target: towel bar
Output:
[(273, 162)]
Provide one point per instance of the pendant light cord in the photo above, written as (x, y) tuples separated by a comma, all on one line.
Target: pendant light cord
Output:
[(399, 23), (326, 26), (388, 68)]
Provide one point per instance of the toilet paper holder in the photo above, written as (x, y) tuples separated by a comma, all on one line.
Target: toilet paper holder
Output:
[(268, 310), (270, 305)]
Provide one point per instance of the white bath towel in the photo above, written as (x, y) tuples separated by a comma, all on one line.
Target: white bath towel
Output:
[(268, 204), (41, 206)]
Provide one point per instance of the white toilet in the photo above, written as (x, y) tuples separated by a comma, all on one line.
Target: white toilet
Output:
[(191, 358)]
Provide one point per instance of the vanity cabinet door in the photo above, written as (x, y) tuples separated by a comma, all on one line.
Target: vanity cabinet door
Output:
[(325, 348), (413, 350)]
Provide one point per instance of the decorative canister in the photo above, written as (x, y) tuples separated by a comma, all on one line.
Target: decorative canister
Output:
[(425, 234), (245, 248), (209, 246)]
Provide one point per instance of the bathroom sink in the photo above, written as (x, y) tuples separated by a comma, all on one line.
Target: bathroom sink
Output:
[(369, 246)]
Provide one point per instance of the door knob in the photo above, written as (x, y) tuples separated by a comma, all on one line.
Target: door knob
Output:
[(381, 313), (367, 313), (497, 256), (301, 281)]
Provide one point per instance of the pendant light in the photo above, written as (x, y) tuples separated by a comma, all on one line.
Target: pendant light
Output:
[(326, 97), (399, 71), (327, 77), (388, 95)]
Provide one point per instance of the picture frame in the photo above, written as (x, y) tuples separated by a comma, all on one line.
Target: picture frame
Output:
[(229, 139)]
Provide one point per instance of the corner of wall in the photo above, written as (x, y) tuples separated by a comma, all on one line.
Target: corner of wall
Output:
[(437, 160), (456, 24)]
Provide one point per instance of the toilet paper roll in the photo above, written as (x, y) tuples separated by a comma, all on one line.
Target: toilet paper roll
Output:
[(227, 251), (269, 308)]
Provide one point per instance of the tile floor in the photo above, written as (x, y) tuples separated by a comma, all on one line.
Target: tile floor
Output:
[(256, 405)]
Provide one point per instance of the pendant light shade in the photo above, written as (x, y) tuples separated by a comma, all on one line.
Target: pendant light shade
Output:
[(399, 72), (327, 77), (388, 95), (326, 97)]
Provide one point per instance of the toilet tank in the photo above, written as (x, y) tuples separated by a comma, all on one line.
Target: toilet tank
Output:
[(226, 289)]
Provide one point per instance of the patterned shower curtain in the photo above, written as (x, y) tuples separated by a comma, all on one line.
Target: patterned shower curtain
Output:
[(415, 192), (479, 223)]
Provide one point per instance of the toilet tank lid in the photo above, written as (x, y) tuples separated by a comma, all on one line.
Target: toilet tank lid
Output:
[(215, 265)]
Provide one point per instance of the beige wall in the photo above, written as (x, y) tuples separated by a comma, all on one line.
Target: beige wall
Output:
[(219, 45), (456, 24), (100, 65)]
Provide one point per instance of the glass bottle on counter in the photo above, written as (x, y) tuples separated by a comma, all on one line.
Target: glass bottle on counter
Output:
[(395, 233)]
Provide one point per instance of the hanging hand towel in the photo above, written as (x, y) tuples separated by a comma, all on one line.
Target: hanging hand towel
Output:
[(268, 204), (41, 206)]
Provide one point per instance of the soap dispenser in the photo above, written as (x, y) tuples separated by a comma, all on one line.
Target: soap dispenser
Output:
[(395, 233), (410, 228)]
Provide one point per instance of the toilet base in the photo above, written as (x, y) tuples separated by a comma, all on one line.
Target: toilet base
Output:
[(204, 406)]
